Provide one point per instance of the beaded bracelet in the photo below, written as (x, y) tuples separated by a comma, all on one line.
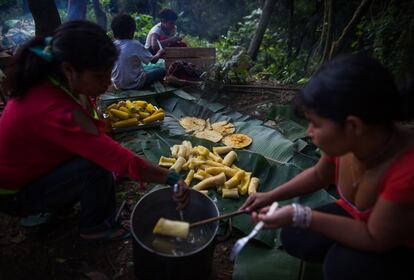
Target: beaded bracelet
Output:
[(302, 216)]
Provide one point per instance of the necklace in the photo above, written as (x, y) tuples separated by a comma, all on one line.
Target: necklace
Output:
[(371, 163), (89, 106), (357, 181)]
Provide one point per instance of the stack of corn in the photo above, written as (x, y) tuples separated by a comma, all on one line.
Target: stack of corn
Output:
[(133, 113), (210, 169)]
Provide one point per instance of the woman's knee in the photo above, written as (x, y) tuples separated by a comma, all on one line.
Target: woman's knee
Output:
[(305, 244), (100, 177), (346, 263), (90, 175)]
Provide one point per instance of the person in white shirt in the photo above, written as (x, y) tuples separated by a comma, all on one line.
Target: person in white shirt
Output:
[(128, 72), (164, 32)]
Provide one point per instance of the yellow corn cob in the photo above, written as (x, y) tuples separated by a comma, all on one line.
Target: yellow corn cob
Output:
[(119, 114), (128, 122), (124, 109), (129, 104), (150, 108), (153, 118), (140, 103), (144, 114), (121, 103), (112, 106)]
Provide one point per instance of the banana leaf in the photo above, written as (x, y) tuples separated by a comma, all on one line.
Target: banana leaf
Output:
[(157, 143), (259, 263), (266, 141), (260, 259), (292, 130), (184, 95)]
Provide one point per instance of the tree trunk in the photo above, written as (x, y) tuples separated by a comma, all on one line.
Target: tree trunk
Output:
[(329, 29), (45, 15), (261, 28), (324, 30), (99, 14), (359, 13), (290, 29), (152, 7), (113, 7), (77, 9)]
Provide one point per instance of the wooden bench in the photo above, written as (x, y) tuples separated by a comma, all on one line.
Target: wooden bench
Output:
[(201, 57)]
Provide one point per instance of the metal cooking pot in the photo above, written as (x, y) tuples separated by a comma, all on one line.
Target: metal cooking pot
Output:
[(153, 264)]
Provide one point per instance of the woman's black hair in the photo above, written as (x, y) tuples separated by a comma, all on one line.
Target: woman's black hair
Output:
[(355, 85), (168, 14), (123, 25), (83, 44)]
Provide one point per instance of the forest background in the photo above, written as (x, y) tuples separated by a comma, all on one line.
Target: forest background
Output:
[(278, 40)]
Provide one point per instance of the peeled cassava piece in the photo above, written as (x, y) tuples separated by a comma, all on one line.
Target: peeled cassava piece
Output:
[(254, 184), (237, 140), (224, 127), (211, 135), (230, 193), (191, 124), (172, 228)]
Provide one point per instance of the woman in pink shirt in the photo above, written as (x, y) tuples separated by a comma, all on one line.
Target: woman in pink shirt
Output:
[(53, 149)]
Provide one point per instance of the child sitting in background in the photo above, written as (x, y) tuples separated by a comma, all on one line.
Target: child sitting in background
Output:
[(164, 33), (128, 72)]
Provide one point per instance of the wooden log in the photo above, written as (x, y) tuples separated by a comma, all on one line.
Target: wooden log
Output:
[(201, 62)]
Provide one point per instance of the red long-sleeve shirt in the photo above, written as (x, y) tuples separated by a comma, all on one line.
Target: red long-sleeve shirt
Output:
[(37, 133)]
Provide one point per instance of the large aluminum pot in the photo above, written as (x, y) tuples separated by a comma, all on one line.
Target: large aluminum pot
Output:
[(151, 263)]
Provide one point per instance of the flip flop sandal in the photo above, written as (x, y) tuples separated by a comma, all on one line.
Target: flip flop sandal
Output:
[(109, 228), (36, 220)]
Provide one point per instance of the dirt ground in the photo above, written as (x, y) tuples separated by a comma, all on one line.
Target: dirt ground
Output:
[(54, 251)]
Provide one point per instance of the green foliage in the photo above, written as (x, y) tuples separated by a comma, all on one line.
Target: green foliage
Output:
[(206, 18), (196, 42), (234, 70), (238, 36), (144, 25), (386, 36), (271, 62), (9, 9)]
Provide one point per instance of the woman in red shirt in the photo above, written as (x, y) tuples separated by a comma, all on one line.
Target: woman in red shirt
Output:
[(352, 106), (53, 149)]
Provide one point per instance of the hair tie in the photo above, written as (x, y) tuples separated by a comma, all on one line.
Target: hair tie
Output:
[(45, 52)]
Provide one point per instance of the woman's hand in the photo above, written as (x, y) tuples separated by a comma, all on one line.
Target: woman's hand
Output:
[(256, 200), (182, 195), (280, 218)]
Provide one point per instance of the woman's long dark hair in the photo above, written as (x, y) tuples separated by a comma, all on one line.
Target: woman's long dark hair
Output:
[(83, 44), (356, 85)]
